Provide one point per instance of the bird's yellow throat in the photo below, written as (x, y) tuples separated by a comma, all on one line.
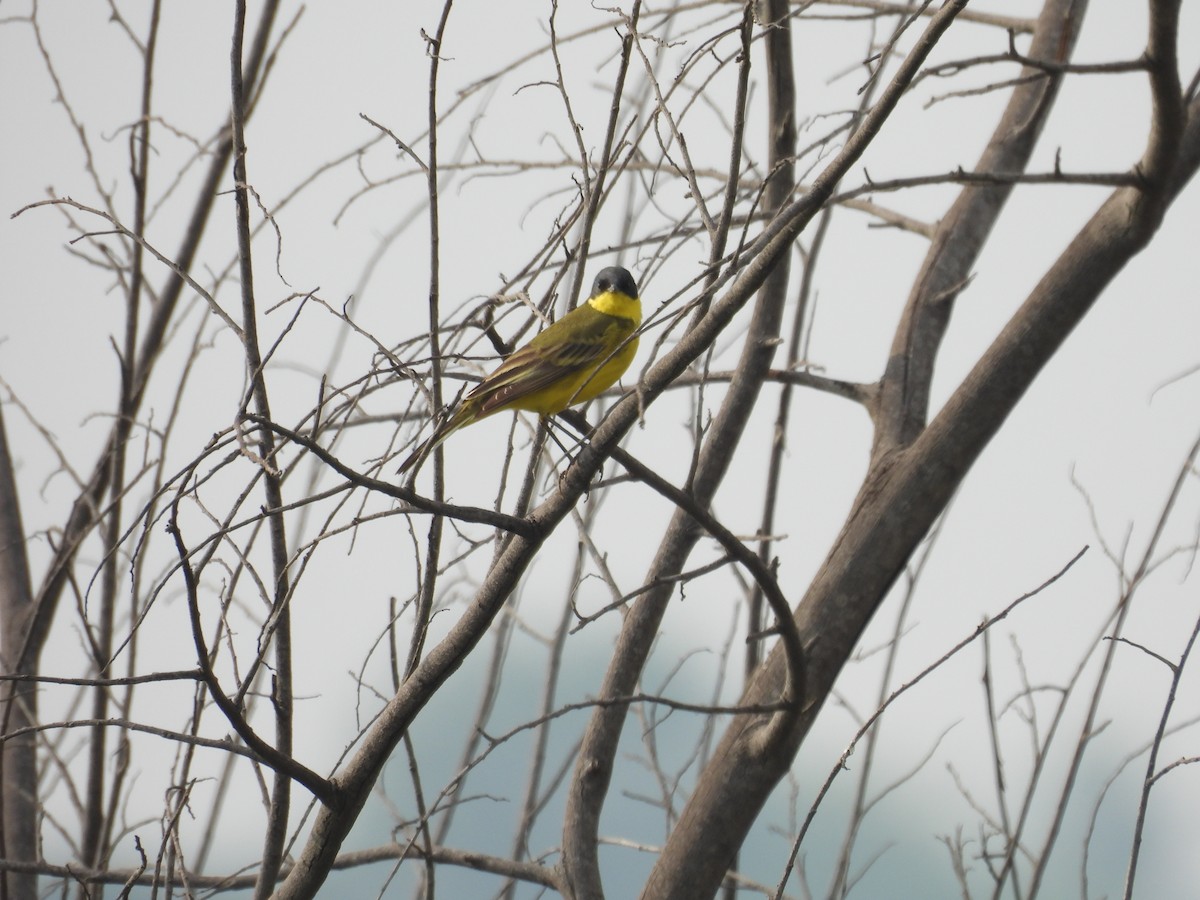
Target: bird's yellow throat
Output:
[(612, 303)]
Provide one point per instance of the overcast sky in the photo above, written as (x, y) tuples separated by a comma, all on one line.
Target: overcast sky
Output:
[(1087, 459)]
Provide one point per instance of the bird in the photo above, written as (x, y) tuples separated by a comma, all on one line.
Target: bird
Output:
[(570, 362)]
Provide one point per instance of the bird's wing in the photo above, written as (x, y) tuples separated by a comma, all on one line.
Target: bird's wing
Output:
[(572, 344)]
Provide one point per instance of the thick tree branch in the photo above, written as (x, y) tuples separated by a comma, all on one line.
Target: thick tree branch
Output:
[(18, 703), (961, 235), (905, 492)]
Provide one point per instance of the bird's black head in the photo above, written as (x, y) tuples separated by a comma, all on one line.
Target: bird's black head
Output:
[(614, 278)]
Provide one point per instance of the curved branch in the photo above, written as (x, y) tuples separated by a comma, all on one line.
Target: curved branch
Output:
[(738, 551), (322, 788), (512, 524)]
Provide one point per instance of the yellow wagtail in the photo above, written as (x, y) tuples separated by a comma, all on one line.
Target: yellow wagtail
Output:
[(572, 361)]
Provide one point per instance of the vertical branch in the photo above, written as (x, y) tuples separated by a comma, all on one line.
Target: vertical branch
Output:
[(720, 237), (760, 343), (843, 883), (281, 691), (18, 700), (1176, 675), (1088, 727), (767, 323), (434, 538), (775, 469), (98, 822), (532, 802), (997, 760), (596, 186), (787, 391), (1167, 125)]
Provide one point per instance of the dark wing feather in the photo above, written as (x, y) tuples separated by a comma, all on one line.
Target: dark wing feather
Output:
[(548, 358)]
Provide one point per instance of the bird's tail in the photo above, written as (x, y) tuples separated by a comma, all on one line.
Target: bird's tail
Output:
[(464, 415)]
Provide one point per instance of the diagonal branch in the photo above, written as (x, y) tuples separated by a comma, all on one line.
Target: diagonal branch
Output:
[(905, 493), (962, 234), (280, 762)]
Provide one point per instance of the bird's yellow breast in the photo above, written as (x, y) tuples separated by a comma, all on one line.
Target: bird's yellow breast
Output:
[(605, 330)]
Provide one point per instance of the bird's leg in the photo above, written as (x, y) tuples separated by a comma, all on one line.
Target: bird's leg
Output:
[(548, 423), (583, 437)]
